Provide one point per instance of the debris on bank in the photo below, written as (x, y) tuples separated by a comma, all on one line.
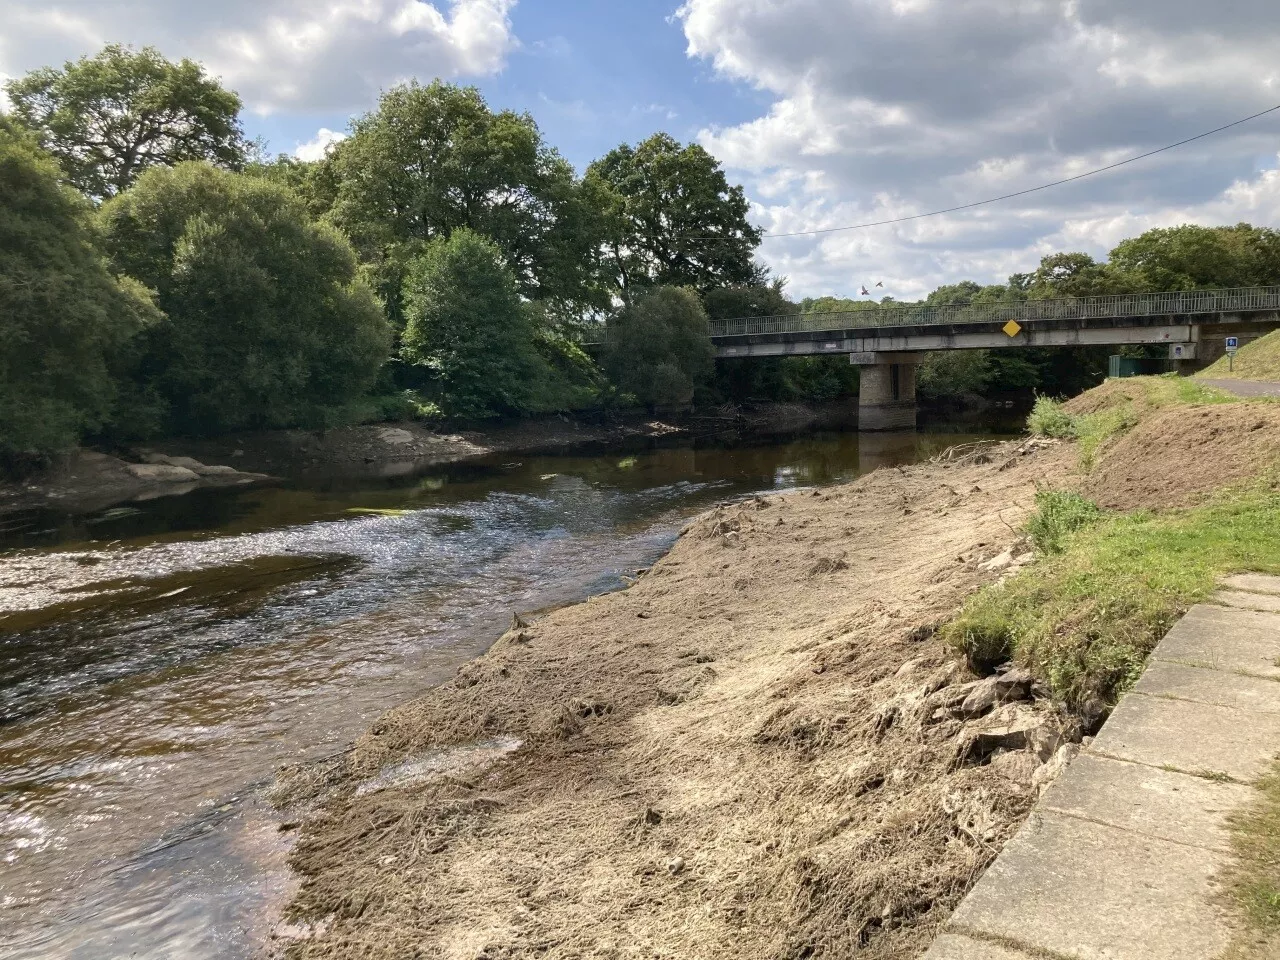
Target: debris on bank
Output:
[(759, 749)]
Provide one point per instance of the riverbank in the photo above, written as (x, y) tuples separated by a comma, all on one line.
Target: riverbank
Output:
[(87, 481), (762, 748)]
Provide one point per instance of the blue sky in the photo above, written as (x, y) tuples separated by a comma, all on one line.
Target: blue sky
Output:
[(829, 112), (593, 75)]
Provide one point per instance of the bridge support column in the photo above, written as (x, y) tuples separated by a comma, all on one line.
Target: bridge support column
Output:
[(887, 391)]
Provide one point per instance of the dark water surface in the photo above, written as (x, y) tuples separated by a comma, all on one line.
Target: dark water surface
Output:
[(158, 662)]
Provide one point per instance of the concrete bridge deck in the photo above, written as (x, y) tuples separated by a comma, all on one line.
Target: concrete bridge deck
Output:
[(889, 339)]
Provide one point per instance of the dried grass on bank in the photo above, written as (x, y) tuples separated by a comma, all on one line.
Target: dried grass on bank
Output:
[(737, 757)]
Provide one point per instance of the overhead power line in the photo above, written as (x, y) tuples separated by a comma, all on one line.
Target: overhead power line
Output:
[(1018, 193)]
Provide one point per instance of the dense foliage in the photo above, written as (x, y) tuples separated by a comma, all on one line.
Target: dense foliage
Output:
[(441, 259), (431, 160), (658, 349), (672, 218), (467, 326), (63, 317), (109, 118), (266, 325)]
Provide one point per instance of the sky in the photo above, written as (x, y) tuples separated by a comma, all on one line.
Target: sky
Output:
[(829, 112)]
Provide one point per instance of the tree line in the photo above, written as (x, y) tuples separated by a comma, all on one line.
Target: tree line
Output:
[(159, 275)]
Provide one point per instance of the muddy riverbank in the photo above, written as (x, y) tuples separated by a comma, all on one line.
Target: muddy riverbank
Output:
[(760, 748), (88, 480), (755, 750), (159, 662)]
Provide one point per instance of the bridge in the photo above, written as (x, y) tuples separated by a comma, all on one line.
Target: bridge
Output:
[(889, 340)]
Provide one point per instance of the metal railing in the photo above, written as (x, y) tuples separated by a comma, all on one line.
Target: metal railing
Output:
[(876, 315)]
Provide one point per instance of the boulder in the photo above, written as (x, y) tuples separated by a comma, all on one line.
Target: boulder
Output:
[(998, 562), (218, 471), (195, 466), (1020, 766), (162, 473), (1013, 727), (1050, 771), (157, 458), (1002, 688), (395, 436)]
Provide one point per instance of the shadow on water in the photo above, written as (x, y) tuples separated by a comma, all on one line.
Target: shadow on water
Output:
[(159, 661)]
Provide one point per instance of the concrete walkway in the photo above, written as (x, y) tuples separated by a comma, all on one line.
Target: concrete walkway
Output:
[(1118, 860)]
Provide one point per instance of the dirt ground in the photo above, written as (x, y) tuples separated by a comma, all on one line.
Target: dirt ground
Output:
[(1177, 455), (758, 750)]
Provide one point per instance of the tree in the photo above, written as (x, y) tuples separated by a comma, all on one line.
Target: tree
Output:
[(672, 219), (314, 181), (433, 159), (1191, 257), (62, 314), (658, 347), (466, 325), (1069, 275), (109, 118), (267, 324)]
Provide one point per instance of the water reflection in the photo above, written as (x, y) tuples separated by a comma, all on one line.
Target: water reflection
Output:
[(158, 661)]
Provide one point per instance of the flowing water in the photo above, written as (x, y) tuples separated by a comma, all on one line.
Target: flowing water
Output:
[(158, 662)]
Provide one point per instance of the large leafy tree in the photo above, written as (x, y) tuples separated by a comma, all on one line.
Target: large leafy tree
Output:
[(658, 347), (110, 117), (467, 326), (267, 323), (1190, 257), (673, 219), (62, 314), (433, 159)]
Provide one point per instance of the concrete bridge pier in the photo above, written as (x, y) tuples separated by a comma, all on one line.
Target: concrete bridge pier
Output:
[(887, 390)]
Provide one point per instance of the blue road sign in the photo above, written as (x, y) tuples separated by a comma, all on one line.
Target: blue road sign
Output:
[(1233, 343)]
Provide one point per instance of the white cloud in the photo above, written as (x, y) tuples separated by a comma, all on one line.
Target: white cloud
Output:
[(889, 108), (318, 146), (319, 55)]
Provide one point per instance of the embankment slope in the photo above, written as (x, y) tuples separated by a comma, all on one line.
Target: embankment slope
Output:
[(761, 749)]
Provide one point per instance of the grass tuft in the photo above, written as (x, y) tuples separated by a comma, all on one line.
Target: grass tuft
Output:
[(1059, 513), (1086, 618), (1050, 419)]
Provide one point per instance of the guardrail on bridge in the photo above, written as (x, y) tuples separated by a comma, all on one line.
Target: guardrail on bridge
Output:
[(874, 315)]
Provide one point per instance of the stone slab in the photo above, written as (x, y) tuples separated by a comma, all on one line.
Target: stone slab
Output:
[(1239, 640), (1220, 687), (1155, 803), (951, 946), (1196, 738), (1066, 887), (1254, 582), (1246, 601)]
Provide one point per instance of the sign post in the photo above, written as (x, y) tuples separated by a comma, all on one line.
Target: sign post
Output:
[(1233, 344)]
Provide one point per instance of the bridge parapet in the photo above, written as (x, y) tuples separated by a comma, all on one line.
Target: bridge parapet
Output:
[(1234, 303), (1188, 303)]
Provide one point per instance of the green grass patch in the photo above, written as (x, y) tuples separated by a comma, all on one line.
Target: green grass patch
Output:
[(1059, 513), (1050, 419), (1086, 617), (1259, 360), (1254, 881)]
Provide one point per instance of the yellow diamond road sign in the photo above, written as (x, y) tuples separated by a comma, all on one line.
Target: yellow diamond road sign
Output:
[(1013, 328)]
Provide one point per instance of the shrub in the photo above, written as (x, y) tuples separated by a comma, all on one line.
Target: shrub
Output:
[(1049, 419), (1058, 514)]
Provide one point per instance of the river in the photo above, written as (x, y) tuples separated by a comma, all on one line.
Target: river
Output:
[(158, 662)]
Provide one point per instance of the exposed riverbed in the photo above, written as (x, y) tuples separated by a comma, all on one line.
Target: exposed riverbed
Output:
[(159, 662)]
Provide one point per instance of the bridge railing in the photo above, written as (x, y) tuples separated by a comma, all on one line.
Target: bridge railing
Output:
[(873, 315), (1075, 308)]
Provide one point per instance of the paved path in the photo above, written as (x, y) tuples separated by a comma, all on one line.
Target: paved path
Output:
[(1245, 388), (1118, 860)]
